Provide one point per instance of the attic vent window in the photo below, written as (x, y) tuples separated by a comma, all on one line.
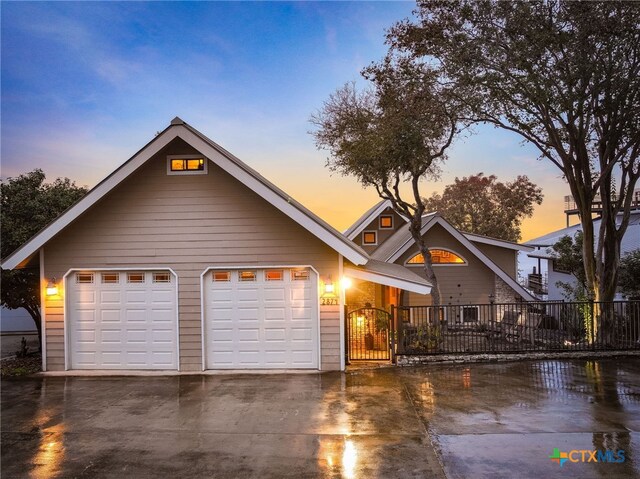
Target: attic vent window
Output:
[(370, 237), (386, 222), (186, 165)]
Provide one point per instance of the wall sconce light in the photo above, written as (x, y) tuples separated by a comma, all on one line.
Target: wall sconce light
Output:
[(52, 289), (345, 283), (492, 298), (328, 285)]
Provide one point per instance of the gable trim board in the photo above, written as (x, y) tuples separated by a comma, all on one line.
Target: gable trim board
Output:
[(497, 242), (221, 158), (67, 309), (436, 219), (203, 306), (43, 312)]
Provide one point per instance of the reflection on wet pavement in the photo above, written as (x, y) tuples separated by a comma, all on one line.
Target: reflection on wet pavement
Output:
[(482, 420), (504, 420)]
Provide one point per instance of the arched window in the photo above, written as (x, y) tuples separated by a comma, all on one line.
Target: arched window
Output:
[(438, 256)]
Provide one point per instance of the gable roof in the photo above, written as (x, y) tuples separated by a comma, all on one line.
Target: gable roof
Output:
[(402, 240), (222, 158), (361, 223)]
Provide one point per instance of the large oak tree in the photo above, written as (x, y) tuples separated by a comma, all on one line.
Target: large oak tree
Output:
[(483, 205), (396, 131), (28, 205), (563, 75)]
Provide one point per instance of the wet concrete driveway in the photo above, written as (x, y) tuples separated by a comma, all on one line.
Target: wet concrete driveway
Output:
[(483, 420)]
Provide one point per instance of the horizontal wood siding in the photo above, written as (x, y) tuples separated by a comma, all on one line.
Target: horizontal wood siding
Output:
[(468, 284), (187, 223), (505, 258)]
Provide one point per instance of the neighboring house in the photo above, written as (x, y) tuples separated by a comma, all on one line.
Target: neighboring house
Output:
[(185, 258), (470, 268), (16, 321), (546, 267)]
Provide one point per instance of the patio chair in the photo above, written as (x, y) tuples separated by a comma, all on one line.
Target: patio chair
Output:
[(508, 328)]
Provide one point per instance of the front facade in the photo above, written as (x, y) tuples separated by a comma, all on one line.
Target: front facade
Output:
[(471, 269), (186, 259)]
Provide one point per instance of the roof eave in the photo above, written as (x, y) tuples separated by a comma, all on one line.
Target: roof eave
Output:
[(235, 167), (387, 280)]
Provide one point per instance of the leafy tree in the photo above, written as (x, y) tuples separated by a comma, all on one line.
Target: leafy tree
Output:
[(396, 131), (28, 205), (483, 205), (563, 75), (629, 278), (567, 254)]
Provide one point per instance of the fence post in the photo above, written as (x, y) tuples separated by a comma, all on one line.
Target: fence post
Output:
[(392, 332), (347, 334), (399, 332), (593, 323)]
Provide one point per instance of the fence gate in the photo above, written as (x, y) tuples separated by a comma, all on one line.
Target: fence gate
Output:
[(369, 334)]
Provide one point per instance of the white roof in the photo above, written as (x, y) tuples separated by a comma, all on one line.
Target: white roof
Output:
[(630, 240), (218, 155)]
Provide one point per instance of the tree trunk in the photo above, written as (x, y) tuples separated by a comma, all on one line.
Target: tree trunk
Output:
[(37, 319), (416, 229)]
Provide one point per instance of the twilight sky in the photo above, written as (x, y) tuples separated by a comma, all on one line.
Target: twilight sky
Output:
[(85, 85)]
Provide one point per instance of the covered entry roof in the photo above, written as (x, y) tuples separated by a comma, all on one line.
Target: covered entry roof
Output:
[(389, 274)]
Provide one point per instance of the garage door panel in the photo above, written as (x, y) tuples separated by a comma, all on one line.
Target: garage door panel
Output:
[(86, 336), (110, 297), (250, 324), (300, 295), (302, 312), (301, 334), (274, 313), (221, 296), (110, 316), (274, 295), (163, 315), (131, 326), (248, 335), (275, 335), (302, 357), (87, 316), (86, 357), (138, 296), (163, 297), (86, 297), (223, 335)]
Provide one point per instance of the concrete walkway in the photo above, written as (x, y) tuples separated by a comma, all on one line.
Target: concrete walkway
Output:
[(483, 420)]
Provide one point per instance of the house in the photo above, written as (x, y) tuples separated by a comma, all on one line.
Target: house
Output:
[(550, 274), (184, 258), (471, 269)]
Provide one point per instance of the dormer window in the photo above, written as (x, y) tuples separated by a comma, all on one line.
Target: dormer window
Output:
[(186, 165), (386, 222)]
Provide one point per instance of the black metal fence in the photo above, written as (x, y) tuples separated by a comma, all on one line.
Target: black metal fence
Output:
[(517, 327)]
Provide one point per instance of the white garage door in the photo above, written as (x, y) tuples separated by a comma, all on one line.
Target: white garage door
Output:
[(261, 319), (122, 320)]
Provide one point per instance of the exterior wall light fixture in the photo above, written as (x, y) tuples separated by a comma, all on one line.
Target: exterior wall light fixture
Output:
[(52, 289)]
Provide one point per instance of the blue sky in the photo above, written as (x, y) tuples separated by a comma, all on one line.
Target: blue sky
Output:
[(85, 85)]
